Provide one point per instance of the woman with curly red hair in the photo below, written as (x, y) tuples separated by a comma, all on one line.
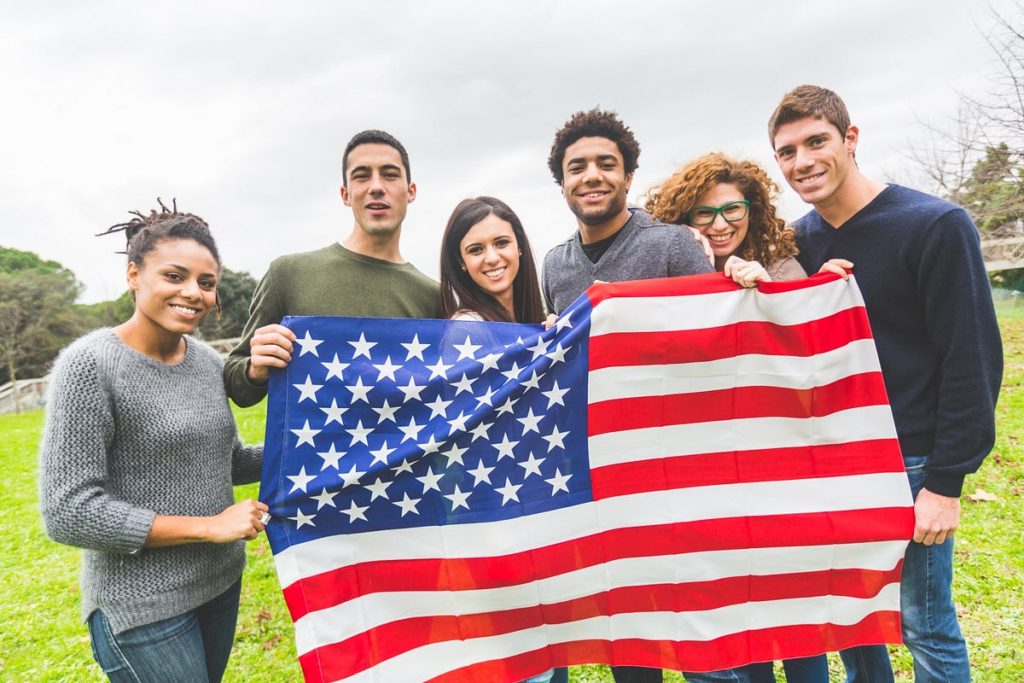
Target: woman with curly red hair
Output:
[(731, 203)]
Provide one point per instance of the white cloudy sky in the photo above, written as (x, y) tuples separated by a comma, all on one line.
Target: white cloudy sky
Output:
[(241, 109)]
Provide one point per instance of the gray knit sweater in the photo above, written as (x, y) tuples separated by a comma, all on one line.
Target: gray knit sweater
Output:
[(644, 249), (127, 438)]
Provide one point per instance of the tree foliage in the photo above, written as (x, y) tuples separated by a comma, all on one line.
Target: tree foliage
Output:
[(235, 290)]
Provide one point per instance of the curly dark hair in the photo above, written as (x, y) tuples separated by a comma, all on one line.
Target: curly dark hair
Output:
[(459, 292), (598, 124), (768, 238), (144, 232)]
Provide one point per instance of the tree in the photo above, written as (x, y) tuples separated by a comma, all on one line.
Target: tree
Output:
[(37, 318), (235, 290)]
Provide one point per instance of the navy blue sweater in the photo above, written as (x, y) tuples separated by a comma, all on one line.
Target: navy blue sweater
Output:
[(917, 261)]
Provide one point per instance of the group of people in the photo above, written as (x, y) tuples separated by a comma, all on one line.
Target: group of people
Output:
[(140, 450)]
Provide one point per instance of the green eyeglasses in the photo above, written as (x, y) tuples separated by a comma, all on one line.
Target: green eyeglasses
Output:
[(731, 212)]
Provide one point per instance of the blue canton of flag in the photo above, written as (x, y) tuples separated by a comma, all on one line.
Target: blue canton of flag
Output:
[(391, 424)]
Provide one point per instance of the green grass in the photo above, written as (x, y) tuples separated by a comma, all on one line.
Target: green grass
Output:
[(42, 638)]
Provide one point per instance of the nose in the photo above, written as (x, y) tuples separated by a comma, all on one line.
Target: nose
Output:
[(719, 223), (491, 255), (803, 158), (592, 173), (376, 185), (189, 289)]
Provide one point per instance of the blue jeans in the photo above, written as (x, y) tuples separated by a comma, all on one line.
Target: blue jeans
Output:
[(803, 670), (187, 648), (930, 629)]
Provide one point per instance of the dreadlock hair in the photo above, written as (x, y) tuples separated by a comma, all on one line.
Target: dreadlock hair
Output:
[(458, 291), (144, 232), (374, 137), (598, 124), (768, 238), (809, 101)]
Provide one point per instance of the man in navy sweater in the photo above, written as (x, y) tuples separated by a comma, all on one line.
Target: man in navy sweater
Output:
[(918, 263)]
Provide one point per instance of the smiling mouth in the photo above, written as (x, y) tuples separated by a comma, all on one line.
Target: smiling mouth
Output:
[(377, 206), (720, 240), (187, 310), (806, 180), (496, 273), (598, 194)]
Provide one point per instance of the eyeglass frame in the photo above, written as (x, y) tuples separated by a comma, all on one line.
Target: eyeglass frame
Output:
[(720, 211)]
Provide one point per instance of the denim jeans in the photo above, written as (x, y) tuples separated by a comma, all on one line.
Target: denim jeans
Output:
[(187, 648), (930, 628), (802, 670)]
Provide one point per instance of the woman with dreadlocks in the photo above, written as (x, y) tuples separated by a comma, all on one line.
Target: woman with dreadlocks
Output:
[(731, 203), (138, 458)]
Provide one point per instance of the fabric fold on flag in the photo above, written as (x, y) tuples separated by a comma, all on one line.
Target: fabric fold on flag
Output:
[(680, 474)]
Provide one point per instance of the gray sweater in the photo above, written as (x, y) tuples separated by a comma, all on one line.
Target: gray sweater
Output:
[(644, 249), (127, 438)]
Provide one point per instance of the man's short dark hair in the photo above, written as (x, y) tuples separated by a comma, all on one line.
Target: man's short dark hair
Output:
[(598, 124), (809, 101), (374, 137)]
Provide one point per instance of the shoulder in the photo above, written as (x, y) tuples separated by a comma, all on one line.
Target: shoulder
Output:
[(420, 278), (647, 228), (559, 253), (786, 269), (204, 352), (289, 262), (466, 314), (93, 348)]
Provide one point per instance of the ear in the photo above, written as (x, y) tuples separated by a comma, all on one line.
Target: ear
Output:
[(850, 140), (412, 192), (133, 276), (344, 195), (629, 181)]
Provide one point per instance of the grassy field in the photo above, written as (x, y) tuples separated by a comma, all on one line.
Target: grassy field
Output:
[(42, 639)]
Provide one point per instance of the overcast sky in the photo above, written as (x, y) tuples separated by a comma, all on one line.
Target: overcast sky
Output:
[(241, 109)]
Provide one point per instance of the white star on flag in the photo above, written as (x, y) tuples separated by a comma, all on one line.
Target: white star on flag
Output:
[(362, 347), (506, 407), (505, 447), (531, 465), (530, 422), (490, 361), (381, 454), (360, 390), (355, 512), (325, 497), (351, 477), (334, 368), (563, 323), (412, 390), (513, 372), (404, 466), (411, 430), (415, 348), (480, 431), (559, 482), (333, 413), (464, 384), (555, 438), (558, 355), (386, 412), (458, 498), (458, 424), (302, 519), (429, 480), (533, 382), (309, 345), (454, 455), (439, 368), (466, 349), (539, 349), (378, 489), (509, 491), (301, 480), (308, 390), (359, 434), (331, 457), (408, 504), (481, 473), (386, 369), (305, 435), (555, 395), (431, 446), (437, 407)]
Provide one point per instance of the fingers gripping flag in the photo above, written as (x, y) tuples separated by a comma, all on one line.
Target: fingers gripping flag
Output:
[(679, 474)]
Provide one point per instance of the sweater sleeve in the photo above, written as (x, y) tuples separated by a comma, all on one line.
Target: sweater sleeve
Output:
[(962, 328), (786, 269), (686, 256), (265, 309), (246, 463), (76, 506)]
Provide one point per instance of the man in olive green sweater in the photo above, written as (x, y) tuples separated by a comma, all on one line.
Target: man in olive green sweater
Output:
[(364, 275)]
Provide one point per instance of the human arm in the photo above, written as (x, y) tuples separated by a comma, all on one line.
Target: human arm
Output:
[(686, 254), (262, 345), (705, 245), (239, 521), (962, 332), (935, 517), (839, 266)]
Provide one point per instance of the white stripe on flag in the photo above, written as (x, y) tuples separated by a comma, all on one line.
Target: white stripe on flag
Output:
[(750, 370)]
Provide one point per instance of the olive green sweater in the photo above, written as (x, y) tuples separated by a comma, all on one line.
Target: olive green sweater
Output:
[(332, 281)]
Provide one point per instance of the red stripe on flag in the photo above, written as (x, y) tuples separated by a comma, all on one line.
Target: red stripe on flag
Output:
[(381, 643), (775, 464), (735, 403), (824, 528), (694, 285), (618, 349)]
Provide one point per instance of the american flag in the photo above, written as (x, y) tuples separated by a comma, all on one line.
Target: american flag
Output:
[(680, 474)]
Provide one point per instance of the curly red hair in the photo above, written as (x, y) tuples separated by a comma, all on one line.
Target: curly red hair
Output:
[(768, 239)]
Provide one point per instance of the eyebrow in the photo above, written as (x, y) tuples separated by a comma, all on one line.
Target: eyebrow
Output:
[(367, 168), (602, 157), (178, 266)]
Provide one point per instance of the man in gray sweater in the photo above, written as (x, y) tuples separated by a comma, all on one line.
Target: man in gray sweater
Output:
[(593, 159)]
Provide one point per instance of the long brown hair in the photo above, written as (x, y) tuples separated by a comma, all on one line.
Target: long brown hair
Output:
[(459, 292), (768, 239)]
